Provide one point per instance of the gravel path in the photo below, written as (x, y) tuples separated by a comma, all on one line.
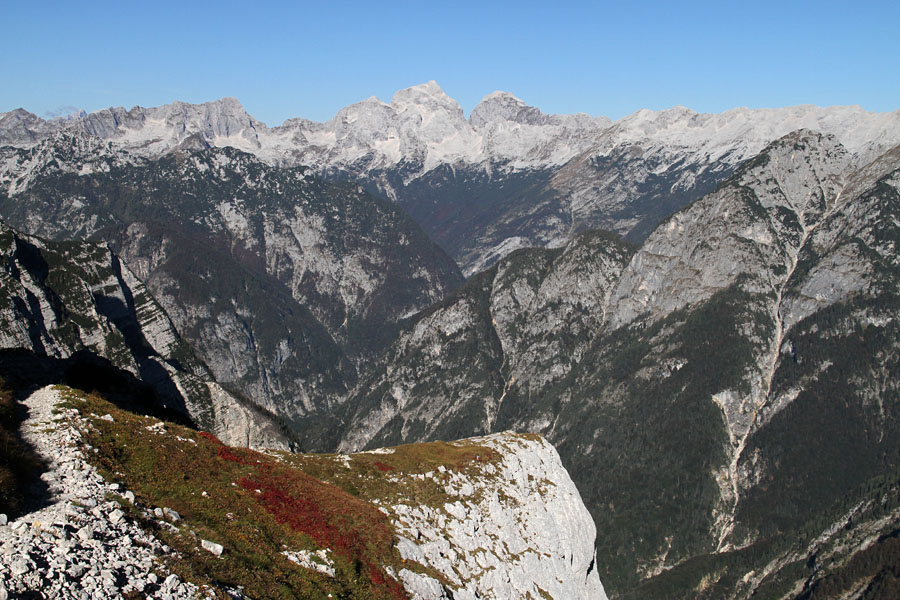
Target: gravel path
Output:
[(79, 544)]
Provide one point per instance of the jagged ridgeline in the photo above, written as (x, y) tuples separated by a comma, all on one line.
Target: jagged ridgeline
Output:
[(283, 284), (725, 396), (508, 176)]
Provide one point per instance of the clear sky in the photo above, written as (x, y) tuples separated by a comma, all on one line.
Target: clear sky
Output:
[(309, 59)]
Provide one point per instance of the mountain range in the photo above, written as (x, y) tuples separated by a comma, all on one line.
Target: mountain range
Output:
[(507, 177), (698, 311)]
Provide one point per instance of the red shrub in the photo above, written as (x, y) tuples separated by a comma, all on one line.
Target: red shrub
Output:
[(350, 527), (233, 455), (393, 586), (383, 467)]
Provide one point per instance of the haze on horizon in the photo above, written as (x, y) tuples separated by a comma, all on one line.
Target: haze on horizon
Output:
[(287, 60)]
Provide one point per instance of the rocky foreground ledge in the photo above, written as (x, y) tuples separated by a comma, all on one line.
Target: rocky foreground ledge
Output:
[(514, 528), (79, 545), (493, 517)]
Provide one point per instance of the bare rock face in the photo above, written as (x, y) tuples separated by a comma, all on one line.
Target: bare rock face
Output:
[(754, 226), (47, 284), (838, 269), (478, 358), (515, 527), (243, 424), (22, 128)]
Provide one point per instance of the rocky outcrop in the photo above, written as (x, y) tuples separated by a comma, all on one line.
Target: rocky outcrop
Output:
[(239, 422), (753, 226), (515, 528), (505, 521), (500, 343)]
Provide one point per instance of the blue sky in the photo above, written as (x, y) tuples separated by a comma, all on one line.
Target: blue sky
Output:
[(298, 59)]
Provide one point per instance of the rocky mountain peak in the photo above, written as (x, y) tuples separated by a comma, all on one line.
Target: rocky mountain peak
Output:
[(21, 127), (221, 118), (429, 101), (503, 106), (18, 114), (801, 173), (219, 114), (154, 131), (363, 123), (425, 94)]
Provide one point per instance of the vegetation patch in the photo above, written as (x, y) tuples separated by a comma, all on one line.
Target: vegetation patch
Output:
[(255, 505), (818, 569), (414, 474), (873, 573)]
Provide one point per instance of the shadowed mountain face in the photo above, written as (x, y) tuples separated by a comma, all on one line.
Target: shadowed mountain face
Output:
[(722, 388), (72, 313), (480, 213), (284, 284)]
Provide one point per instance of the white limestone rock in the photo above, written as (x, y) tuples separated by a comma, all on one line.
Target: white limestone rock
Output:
[(317, 561), (212, 547), (516, 527)]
